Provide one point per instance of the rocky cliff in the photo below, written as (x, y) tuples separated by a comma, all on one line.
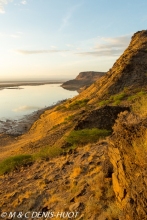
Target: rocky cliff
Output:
[(82, 81), (128, 154)]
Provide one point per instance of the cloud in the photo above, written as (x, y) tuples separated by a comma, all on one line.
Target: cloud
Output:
[(24, 2), (28, 52), (69, 45), (108, 46), (14, 35), (116, 42), (25, 108), (54, 47), (109, 52), (2, 3)]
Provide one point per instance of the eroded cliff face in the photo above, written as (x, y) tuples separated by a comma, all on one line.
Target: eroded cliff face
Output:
[(128, 154)]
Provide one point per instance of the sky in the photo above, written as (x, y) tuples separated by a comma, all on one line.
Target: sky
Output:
[(55, 39)]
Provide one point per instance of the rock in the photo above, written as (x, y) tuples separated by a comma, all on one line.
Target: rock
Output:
[(82, 81), (102, 118), (74, 206), (128, 156), (47, 181)]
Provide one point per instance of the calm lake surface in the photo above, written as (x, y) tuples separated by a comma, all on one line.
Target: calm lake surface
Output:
[(15, 103)]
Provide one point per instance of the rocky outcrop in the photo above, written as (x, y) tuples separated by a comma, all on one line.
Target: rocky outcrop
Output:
[(102, 118), (128, 154), (82, 81)]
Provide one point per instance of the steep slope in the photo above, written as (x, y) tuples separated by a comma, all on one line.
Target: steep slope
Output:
[(84, 79), (129, 71)]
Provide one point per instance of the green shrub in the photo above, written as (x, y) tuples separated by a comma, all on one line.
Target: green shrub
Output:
[(78, 104), (117, 102), (137, 95), (86, 136), (48, 152), (14, 162), (117, 97), (104, 102), (114, 99), (132, 97)]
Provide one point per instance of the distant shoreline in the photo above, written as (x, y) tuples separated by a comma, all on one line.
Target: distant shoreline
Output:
[(21, 126), (5, 85)]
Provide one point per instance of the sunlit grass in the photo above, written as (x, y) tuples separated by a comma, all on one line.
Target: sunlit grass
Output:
[(85, 136), (14, 162)]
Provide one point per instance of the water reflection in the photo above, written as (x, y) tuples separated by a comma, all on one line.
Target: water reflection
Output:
[(15, 103)]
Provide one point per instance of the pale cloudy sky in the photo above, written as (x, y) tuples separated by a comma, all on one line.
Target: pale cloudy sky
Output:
[(60, 38)]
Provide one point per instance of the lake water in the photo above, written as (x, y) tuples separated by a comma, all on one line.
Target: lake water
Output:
[(15, 103)]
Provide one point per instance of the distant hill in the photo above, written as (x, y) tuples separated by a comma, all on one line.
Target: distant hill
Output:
[(82, 81)]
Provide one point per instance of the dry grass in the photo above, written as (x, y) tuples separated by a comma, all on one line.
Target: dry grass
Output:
[(140, 106), (111, 213), (140, 149), (76, 172)]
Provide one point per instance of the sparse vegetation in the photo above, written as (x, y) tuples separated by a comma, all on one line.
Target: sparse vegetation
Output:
[(118, 98), (85, 136), (14, 162), (104, 102), (78, 104), (73, 105), (114, 99), (48, 152), (137, 95), (69, 118), (61, 107), (139, 106)]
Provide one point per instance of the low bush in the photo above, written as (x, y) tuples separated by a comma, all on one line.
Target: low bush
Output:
[(118, 97), (78, 104), (114, 99), (85, 136), (104, 102), (14, 162), (117, 102), (137, 95), (48, 152)]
